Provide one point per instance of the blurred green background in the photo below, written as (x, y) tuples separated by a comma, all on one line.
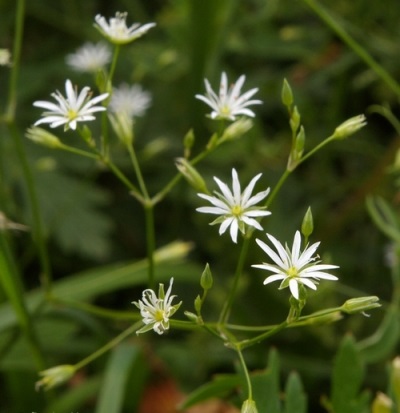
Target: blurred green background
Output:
[(92, 222)]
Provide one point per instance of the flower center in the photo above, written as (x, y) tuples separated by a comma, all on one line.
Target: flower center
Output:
[(159, 315), (292, 272), (237, 210), (72, 114)]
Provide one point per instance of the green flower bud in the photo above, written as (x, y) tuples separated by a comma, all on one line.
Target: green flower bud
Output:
[(286, 94), (295, 120), (192, 317), (188, 142), (190, 173), (307, 226), (206, 280), (382, 404), (43, 137), (236, 130), (360, 304), (55, 376), (122, 125), (249, 406), (395, 378), (197, 304), (349, 127)]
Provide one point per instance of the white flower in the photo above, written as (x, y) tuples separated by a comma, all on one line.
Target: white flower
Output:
[(132, 100), (229, 103), (294, 267), (117, 32), (70, 110), (156, 311), (90, 57), (236, 209)]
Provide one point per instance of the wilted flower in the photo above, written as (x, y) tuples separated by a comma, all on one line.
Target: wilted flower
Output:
[(116, 31), (55, 376), (294, 267), (90, 57), (132, 100), (70, 110), (236, 209), (229, 103), (156, 311)]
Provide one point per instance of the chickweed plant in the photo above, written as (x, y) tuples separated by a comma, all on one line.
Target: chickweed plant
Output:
[(99, 112)]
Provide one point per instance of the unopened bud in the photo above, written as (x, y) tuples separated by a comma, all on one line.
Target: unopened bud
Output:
[(55, 376), (295, 120), (188, 142), (43, 137), (206, 280), (360, 304), (5, 57), (350, 126), (236, 129), (382, 404), (286, 94), (197, 304), (249, 406), (122, 125), (190, 173), (307, 226)]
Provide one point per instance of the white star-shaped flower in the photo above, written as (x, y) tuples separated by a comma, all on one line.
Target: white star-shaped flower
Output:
[(294, 267), (131, 100), (90, 57), (156, 311), (229, 103), (71, 109), (116, 30), (236, 209)]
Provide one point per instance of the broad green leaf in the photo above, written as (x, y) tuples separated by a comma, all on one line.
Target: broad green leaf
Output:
[(295, 398), (266, 386), (347, 377), (384, 340), (118, 369), (219, 387)]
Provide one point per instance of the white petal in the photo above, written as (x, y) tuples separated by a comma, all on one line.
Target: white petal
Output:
[(294, 288)]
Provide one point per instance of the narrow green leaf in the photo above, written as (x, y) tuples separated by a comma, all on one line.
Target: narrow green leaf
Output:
[(117, 372), (295, 398)]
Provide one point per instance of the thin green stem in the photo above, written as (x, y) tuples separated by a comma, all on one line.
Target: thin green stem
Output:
[(246, 375), (138, 172), (277, 188), (151, 243), (355, 46), (116, 340), (316, 149), (113, 64), (232, 293), (16, 59), (10, 280)]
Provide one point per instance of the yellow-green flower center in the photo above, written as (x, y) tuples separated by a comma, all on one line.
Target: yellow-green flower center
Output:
[(237, 210), (72, 114), (292, 272), (159, 315)]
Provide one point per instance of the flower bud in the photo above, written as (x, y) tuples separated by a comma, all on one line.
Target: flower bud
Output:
[(236, 130), (43, 137), (382, 404), (307, 226), (188, 142), (5, 57), (395, 378), (190, 173), (286, 94), (55, 376), (295, 120), (349, 127), (122, 125), (360, 304), (197, 304), (206, 280), (249, 406)]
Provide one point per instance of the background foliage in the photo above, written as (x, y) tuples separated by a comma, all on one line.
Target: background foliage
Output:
[(95, 231)]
